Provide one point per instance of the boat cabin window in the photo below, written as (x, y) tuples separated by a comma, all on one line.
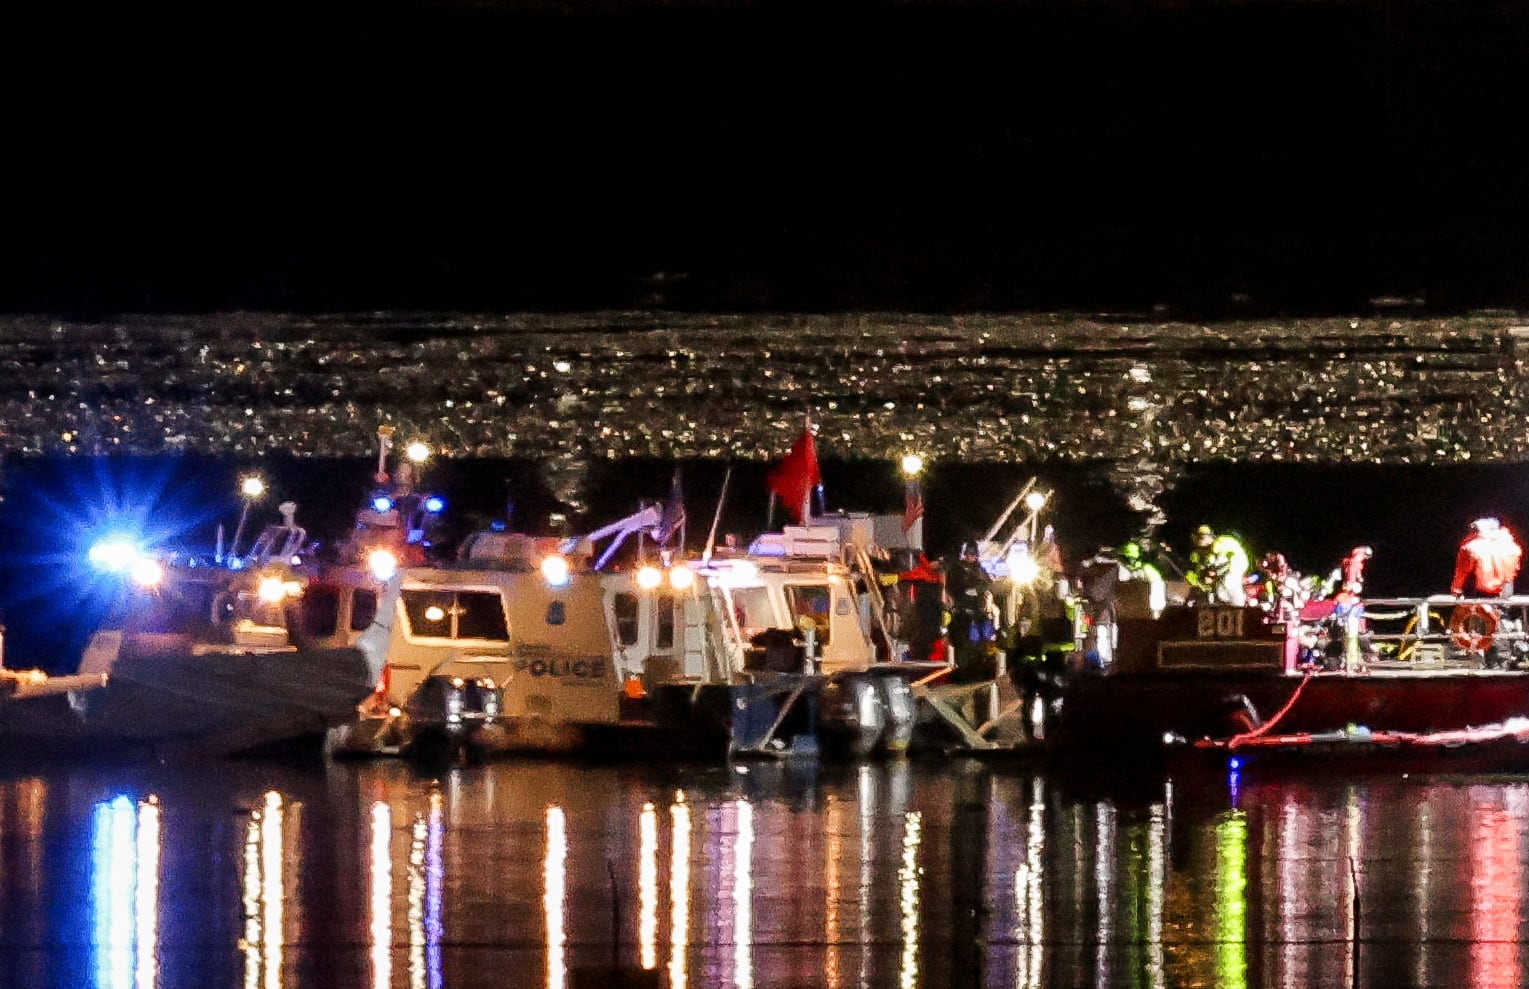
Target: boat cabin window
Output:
[(363, 609), (175, 610), (320, 610), (456, 615), (751, 608), (810, 601), (624, 607), (233, 605), (663, 632)]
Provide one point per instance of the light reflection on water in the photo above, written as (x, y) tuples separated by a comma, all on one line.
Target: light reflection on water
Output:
[(264, 894), (125, 893), (381, 861), (742, 848), (908, 896), (909, 875), (679, 891)]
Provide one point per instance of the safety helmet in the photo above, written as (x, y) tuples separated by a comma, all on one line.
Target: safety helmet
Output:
[(1205, 535), (1487, 524), (1131, 551), (968, 550)]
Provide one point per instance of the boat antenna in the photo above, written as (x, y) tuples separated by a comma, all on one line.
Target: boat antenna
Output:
[(711, 537)]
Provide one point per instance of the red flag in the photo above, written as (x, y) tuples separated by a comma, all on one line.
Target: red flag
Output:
[(925, 571), (913, 510), (793, 480)]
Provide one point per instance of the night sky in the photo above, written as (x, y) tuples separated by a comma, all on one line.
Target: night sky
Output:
[(1214, 158)]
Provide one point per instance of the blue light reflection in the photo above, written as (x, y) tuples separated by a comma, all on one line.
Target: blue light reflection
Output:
[(124, 893)]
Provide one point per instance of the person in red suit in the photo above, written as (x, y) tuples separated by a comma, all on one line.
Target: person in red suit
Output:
[(1489, 555)]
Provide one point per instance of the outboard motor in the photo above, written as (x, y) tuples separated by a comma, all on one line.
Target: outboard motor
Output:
[(446, 712), (853, 717), (901, 709)]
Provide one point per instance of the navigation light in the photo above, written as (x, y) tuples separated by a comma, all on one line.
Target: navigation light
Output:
[(114, 554), (555, 569), (382, 564), (272, 589), (147, 572)]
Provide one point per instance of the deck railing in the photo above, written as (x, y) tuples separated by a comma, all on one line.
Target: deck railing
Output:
[(1438, 628)]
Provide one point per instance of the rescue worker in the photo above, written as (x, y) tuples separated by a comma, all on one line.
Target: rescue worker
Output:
[(965, 579), (973, 623), (1041, 660), (1490, 556), (1138, 568), (1099, 579), (1218, 568), (923, 617)]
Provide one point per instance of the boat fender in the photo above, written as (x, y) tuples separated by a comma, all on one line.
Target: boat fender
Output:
[(1472, 627)]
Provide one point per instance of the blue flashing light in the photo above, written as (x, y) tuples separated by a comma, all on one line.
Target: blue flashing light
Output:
[(1235, 764), (435, 504), (497, 525), (382, 503), (114, 554)]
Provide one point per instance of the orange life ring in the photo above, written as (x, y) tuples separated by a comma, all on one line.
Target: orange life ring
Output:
[(1472, 627)]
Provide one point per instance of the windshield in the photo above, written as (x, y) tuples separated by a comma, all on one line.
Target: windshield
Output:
[(810, 601), (751, 609), (456, 615)]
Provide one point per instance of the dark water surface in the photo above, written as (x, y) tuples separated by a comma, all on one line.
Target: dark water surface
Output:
[(957, 873)]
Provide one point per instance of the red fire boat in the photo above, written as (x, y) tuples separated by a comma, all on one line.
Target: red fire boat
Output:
[(1432, 680)]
